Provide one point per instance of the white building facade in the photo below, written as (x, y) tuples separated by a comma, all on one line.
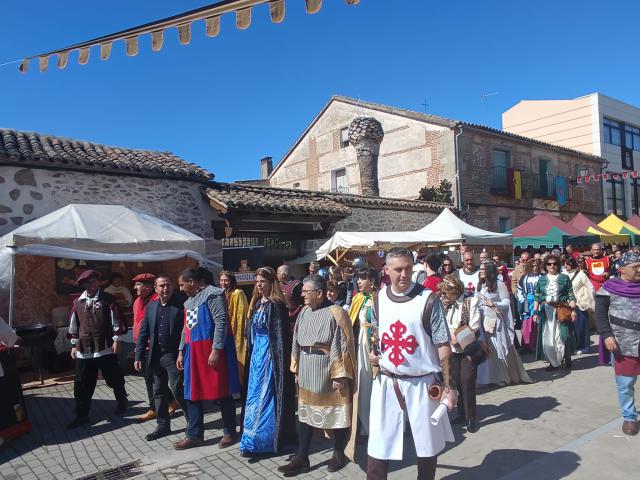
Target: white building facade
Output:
[(595, 124)]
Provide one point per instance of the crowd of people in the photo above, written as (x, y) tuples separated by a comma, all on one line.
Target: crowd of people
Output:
[(354, 350)]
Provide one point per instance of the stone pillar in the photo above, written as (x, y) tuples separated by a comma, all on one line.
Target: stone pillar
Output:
[(366, 134)]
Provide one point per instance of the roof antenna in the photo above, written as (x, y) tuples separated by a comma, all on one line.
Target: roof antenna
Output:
[(483, 98), (425, 105)]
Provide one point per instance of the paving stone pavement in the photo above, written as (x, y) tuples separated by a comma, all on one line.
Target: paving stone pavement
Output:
[(561, 423)]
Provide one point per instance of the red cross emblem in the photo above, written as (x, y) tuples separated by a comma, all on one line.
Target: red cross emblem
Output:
[(397, 343)]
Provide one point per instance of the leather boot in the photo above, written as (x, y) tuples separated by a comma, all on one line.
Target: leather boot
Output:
[(173, 406), (427, 468), (149, 415), (377, 469)]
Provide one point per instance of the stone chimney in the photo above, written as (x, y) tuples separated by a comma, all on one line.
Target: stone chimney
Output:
[(266, 167), (366, 134)]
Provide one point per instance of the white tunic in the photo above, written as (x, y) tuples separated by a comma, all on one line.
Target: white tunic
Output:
[(407, 349)]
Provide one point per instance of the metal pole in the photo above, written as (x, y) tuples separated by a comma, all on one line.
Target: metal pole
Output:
[(12, 269)]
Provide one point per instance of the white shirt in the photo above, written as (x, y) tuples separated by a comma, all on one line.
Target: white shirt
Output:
[(7, 336)]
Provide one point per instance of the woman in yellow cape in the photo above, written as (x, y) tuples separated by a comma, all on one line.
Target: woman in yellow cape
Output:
[(238, 309)]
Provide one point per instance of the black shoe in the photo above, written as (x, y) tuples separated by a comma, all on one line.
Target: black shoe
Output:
[(295, 467), (77, 422), (568, 363), (337, 462), (123, 404), (472, 426), (550, 368), (158, 433)]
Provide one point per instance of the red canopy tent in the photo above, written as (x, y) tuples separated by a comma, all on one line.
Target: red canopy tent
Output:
[(549, 231), (583, 223), (634, 220)]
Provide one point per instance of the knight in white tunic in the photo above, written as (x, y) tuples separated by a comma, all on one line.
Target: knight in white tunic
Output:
[(413, 354)]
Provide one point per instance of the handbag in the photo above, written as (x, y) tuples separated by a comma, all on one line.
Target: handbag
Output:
[(475, 349), (563, 312)]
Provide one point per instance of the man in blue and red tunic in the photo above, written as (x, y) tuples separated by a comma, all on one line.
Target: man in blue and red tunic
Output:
[(208, 357)]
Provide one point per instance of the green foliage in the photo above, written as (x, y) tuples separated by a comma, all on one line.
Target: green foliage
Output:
[(441, 194)]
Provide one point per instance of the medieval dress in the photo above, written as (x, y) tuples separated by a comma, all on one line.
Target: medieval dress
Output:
[(361, 314), (503, 365), (269, 415), (555, 339), (525, 294), (238, 311), (323, 351), (408, 351)]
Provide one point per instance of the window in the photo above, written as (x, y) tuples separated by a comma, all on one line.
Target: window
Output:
[(611, 131), (339, 181), (503, 224), (615, 197), (344, 137), (296, 185), (632, 137), (501, 163), (635, 196)]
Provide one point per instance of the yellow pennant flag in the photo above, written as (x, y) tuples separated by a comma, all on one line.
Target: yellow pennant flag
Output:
[(517, 184)]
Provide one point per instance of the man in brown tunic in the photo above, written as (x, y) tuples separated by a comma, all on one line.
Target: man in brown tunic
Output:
[(95, 329)]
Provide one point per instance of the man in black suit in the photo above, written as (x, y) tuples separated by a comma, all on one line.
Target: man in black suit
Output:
[(162, 328)]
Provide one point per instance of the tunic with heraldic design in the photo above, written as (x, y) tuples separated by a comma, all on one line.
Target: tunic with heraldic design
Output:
[(410, 355), (202, 382)]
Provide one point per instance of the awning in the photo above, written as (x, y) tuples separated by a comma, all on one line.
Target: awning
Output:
[(582, 222), (210, 14)]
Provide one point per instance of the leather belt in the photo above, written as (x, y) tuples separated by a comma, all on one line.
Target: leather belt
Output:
[(396, 387), (621, 322), (313, 351)]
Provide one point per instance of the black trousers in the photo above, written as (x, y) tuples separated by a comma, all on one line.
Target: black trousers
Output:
[(167, 380), (148, 381), (378, 469), (464, 374), (87, 376), (305, 433)]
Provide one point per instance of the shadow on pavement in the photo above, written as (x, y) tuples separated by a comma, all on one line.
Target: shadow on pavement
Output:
[(499, 463), (520, 408), (49, 417)]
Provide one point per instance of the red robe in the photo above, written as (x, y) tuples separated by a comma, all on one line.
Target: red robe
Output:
[(596, 270)]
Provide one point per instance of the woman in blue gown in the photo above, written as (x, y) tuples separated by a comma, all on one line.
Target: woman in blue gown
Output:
[(269, 413)]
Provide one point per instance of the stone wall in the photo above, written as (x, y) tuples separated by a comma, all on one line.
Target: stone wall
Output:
[(27, 194)]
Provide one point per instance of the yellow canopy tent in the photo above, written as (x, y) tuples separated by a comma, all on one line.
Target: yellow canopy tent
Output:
[(615, 224)]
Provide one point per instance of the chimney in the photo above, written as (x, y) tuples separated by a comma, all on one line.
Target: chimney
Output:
[(366, 134), (266, 167)]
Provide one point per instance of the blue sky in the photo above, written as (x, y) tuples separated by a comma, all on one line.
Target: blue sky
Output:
[(226, 102)]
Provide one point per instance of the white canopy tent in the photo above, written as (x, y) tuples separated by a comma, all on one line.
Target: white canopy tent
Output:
[(97, 232), (450, 230), (447, 229)]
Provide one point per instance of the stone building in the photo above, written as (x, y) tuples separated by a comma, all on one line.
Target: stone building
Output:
[(416, 150), (41, 173)]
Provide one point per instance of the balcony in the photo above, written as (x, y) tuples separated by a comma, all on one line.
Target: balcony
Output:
[(499, 180), (544, 186)]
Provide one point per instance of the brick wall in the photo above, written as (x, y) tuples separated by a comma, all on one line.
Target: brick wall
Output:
[(486, 208)]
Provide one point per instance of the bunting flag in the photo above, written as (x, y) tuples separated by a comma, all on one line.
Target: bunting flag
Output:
[(514, 179), (182, 22), (605, 177), (561, 190)]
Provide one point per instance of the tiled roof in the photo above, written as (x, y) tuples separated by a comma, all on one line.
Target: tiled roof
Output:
[(46, 151), (233, 196), (361, 201)]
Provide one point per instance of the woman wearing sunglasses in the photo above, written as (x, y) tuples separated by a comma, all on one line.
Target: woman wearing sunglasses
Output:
[(556, 340)]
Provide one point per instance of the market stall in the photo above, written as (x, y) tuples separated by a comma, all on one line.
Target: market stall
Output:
[(545, 230), (44, 256), (634, 220), (615, 224), (583, 223)]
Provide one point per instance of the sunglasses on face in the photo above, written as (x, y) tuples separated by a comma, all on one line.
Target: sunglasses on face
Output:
[(552, 264)]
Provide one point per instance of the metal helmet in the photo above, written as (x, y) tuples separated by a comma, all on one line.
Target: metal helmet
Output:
[(359, 262)]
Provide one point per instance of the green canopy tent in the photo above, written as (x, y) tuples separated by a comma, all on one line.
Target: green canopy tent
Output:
[(545, 230)]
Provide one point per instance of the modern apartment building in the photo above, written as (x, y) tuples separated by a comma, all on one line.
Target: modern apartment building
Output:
[(595, 124)]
